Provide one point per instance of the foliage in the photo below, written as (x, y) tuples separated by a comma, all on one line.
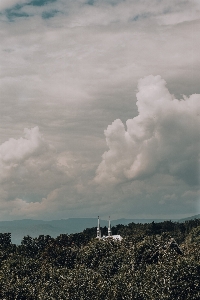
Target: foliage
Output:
[(154, 261)]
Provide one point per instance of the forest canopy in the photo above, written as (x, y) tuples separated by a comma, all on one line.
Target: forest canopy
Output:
[(153, 261)]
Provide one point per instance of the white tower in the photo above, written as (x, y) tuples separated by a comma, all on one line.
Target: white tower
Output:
[(109, 228), (98, 230)]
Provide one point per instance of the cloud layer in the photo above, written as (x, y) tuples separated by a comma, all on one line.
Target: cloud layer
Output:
[(162, 139), (68, 69)]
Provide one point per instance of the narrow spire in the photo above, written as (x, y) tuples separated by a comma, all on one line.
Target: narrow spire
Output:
[(109, 228), (98, 229)]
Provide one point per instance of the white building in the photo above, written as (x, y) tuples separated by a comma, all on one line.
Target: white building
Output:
[(116, 237)]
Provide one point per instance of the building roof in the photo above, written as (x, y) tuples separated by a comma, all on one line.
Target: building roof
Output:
[(116, 237)]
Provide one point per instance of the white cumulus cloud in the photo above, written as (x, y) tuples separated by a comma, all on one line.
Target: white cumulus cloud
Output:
[(163, 138), (15, 150), (15, 153)]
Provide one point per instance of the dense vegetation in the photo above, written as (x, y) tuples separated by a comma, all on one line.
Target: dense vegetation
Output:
[(154, 261)]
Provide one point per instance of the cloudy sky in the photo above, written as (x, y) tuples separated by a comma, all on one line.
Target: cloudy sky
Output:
[(100, 108)]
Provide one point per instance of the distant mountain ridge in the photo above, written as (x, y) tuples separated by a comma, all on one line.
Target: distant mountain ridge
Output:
[(34, 228), (190, 218)]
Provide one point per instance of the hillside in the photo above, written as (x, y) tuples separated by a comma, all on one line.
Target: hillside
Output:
[(154, 261), (190, 218)]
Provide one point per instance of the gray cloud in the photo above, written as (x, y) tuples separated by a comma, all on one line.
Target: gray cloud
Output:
[(34, 178), (6, 4)]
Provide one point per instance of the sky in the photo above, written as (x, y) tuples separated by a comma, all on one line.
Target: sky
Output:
[(100, 109)]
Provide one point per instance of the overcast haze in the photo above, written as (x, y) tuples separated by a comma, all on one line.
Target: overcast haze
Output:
[(100, 108)]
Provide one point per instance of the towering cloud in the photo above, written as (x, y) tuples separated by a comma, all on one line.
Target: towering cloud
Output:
[(163, 138)]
